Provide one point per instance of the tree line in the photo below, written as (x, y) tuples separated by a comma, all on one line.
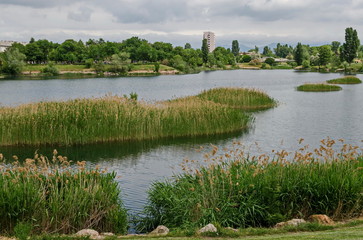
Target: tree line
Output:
[(118, 56)]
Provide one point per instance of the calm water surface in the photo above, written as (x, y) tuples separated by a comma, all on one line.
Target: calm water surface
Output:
[(312, 116)]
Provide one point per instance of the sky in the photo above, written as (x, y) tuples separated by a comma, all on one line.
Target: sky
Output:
[(251, 22)]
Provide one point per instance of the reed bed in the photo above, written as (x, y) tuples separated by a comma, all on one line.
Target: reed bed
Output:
[(345, 80), (55, 197), (242, 98), (320, 87), (114, 118), (237, 190)]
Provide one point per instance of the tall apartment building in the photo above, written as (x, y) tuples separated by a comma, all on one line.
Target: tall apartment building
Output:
[(211, 40)]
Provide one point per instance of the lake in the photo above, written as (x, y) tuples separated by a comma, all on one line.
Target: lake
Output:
[(312, 116)]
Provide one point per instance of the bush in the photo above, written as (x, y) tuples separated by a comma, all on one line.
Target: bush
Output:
[(270, 61), (51, 70), (246, 58)]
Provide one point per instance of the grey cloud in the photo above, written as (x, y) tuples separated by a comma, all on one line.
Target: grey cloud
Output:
[(36, 3), (82, 15), (140, 11)]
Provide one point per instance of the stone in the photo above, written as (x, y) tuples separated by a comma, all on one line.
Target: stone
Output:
[(321, 219), (209, 228), (93, 234), (292, 222), (232, 229), (107, 234), (160, 231)]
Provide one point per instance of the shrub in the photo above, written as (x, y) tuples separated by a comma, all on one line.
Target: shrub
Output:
[(51, 70), (270, 61)]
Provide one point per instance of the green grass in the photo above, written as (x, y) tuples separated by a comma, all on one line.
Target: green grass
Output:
[(150, 67), (242, 98), (310, 87), (345, 80), (113, 118), (238, 190), (60, 67), (54, 197)]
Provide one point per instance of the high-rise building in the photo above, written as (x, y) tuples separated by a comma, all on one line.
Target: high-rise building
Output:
[(211, 40)]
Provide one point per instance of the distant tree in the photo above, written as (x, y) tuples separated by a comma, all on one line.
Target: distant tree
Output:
[(12, 61), (335, 45), (246, 58), (351, 45), (256, 49), (325, 54), (299, 54), (267, 51), (235, 47), (283, 51), (120, 63), (187, 46), (205, 51)]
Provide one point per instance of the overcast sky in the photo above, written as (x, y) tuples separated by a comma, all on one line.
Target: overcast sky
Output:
[(252, 22)]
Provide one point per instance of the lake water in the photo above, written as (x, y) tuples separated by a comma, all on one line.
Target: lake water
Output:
[(312, 116)]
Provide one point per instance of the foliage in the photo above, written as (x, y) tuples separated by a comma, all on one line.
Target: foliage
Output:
[(53, 196), (325, 54), (235, 47), (283, 50), (270, 61), (299, 54), (12, 61), (351, 45), (345, 80), (120, 63), (22, 230), (50, 69), (238, 190), (310, 87), (205, 50)]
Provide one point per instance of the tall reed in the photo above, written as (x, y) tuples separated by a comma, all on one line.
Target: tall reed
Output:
[(320, 87), (56, 197), (243, 98), (238, 190), (114, 118)]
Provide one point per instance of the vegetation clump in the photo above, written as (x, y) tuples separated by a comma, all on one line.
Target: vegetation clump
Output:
[(239, 191), (242, 98), (114, 118), (321, 87), (345, 80), (52, 196)]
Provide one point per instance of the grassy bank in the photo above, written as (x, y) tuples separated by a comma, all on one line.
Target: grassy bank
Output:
[(310, 87), (345, 80), (51, 196), (238, 190), (115, 118)]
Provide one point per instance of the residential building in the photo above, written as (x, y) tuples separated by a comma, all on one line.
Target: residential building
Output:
[(211, 40), (6, 44)]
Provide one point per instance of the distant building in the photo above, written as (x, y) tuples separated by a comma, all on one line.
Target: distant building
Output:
[(211, 40), (6, 44)]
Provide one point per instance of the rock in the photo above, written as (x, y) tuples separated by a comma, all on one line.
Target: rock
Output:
[(107, 234), (209, 228), (321, 219), (232, 229), (160, 231), (93, 234), (292, 222)]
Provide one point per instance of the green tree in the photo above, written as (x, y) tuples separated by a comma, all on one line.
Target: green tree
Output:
[(300, 54), (205, 51), (267, 51), (325, 54), (187, 46), (235, 47), (13, 61), (351, 45), (335, 45), (120, 63), (283, 51)]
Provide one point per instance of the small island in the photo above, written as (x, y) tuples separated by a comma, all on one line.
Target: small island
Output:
[(345, 80), (320, 87)]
